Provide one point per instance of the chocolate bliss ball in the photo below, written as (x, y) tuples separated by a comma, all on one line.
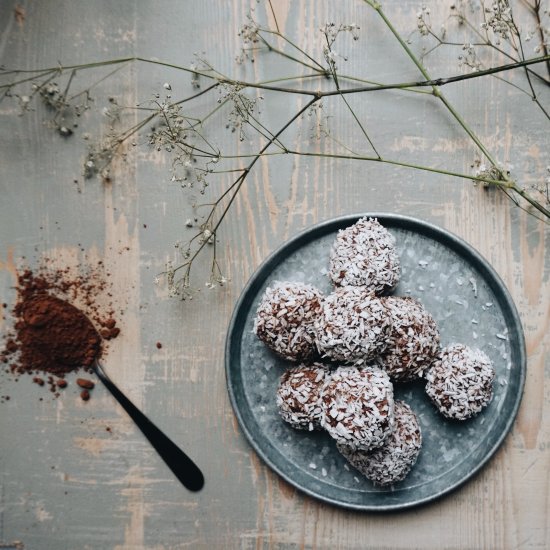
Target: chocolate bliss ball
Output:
[(460, 382), (284, 319)]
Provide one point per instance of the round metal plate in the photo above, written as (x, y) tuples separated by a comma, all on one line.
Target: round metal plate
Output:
[(470, 304)]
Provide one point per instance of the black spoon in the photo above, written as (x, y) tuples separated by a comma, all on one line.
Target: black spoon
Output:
[(45, 315), (183, 467)]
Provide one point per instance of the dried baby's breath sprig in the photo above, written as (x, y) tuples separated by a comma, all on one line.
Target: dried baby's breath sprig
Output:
[(178, 286), (469, 58), (65, 109), (318, 127), (193, 157), (98, 160), (54, 87), (101, 154), (423, 23), (243, 107), (52, 96), (195, 76), (541, 187), (485, 174), (250, 37), (249, 32), (217, 278), (498, 19), (331, 31), (178, 277)]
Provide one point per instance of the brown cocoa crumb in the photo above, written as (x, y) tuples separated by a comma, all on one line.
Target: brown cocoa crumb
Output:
[(11, 346), (159, 345), (85, 383), (84, 395), (109, 333), (109, 323), (62, 383), (38, 380)]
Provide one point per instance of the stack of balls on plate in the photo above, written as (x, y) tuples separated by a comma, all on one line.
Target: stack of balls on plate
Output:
[(348, 348)]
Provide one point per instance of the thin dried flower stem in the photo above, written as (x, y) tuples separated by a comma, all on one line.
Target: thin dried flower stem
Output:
[(316, 66), (481, 179), (274, 16), (334, 74)]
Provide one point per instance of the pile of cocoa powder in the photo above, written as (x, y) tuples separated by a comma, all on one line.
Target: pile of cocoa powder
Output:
[(51, 337)]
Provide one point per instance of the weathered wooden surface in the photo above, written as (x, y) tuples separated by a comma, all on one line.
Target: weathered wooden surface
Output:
[(66, 482)]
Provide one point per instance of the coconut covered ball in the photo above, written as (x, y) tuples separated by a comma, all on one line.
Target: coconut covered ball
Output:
[(391, 462), (284, 319), (357, 407), (299, 393), (353, 325), (413, 342), (364, 254), (460, 381)]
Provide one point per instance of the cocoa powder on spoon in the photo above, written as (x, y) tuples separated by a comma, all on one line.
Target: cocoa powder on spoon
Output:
[(51, 337)]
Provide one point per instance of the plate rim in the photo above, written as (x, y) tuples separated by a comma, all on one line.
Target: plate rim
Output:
[(258, 277)]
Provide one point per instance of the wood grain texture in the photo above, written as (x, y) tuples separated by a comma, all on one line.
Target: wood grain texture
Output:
[(66, 482)]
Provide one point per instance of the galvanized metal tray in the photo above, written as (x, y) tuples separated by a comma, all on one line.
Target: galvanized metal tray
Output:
[(470, 304)]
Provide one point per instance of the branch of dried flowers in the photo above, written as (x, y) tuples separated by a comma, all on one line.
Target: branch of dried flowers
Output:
[(208, 229), (506, 182), (264, 85), (506, 186), (433, 83), (485, 41), (494, 176), (330, 36)]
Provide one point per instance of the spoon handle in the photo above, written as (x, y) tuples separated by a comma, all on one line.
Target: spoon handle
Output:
[(183, 467)]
